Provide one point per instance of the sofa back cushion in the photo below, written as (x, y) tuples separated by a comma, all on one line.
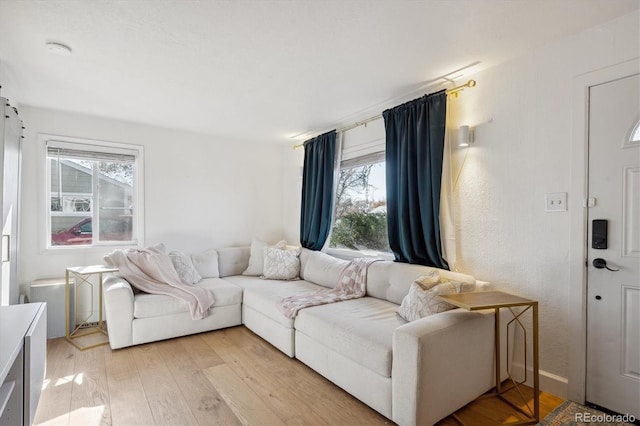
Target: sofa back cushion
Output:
[(304, 256), (391, 280), (233, 260), (206, 263), (321, 268)]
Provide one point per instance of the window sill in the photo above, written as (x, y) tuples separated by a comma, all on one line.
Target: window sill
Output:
[(78, 249), (348, 254)]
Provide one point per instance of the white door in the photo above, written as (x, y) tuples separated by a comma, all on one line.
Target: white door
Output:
[(613, 292), (9, 180)]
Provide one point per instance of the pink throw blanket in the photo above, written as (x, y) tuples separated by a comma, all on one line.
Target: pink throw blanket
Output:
[(352, 284), (152, 271)]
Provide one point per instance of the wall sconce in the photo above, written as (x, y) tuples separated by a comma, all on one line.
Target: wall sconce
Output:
[(465, 136)]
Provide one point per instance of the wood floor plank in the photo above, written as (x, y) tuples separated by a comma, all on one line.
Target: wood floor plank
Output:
[(200, 352), (316, 400), (264, 381), (128, 400), (55, 399), (238, 336), (206, 404), (164, 397), (89, 393), (332, 403), (244, 402), (493, 410)]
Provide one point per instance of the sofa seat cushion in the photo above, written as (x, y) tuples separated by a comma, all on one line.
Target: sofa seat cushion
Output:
[(155, 305), (263, 295), (359, 329)]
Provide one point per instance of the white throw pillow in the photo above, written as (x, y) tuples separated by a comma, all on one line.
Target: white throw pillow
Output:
[(280, 264), (184, 267), (256, 258), (421, 302), (206, 263)]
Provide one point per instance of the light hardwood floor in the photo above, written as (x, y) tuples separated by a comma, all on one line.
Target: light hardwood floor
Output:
[(227, 377)]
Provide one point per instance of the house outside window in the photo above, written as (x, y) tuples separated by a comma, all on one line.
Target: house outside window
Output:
[(93, 193), (360, 204)]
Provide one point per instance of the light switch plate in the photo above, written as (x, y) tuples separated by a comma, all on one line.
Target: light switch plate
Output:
[(556, 202)]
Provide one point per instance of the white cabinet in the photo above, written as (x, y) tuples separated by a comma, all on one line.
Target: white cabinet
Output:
[(23, 354), (10, 144), (52, 291)]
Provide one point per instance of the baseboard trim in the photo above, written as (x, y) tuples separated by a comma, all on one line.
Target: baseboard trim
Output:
[(549, 382)]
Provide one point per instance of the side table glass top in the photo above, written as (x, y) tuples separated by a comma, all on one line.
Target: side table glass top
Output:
[(92, 269)]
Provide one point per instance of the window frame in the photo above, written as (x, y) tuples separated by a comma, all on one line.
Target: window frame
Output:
[(44, 210)]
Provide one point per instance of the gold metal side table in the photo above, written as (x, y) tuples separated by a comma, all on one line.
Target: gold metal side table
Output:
[(497, 300), (91, 335)]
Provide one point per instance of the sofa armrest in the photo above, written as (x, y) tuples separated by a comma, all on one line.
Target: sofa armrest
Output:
[(118, 304), (441, 363)]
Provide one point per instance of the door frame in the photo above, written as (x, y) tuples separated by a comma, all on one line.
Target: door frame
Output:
[(577, 361)]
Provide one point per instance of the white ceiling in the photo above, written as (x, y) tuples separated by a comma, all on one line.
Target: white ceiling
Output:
[(265, 70)]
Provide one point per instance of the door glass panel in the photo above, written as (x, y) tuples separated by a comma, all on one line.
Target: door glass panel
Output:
[(635, 134)]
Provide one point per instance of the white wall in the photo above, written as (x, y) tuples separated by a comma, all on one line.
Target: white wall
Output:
[(292, 161), (9, 88), (522, 112), (200, 191)]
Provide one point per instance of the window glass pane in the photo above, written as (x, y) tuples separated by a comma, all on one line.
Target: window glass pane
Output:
[(115, 198), (71, 185), (361, 209)]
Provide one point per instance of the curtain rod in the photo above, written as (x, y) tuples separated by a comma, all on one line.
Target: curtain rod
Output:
[(454, 91)]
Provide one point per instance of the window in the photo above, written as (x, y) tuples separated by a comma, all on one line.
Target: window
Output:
[(361, 208), (360, 214), (93, 193)]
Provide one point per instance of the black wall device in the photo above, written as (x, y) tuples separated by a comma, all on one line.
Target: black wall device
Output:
[(599, 234)]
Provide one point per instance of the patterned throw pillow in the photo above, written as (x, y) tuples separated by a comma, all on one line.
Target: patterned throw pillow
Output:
[(184, 267), (421, 302), (281, 264)]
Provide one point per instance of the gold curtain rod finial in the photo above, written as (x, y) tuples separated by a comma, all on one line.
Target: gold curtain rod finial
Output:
[(455, 90)]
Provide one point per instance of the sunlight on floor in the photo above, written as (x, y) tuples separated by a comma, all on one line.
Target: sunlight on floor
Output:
[(68, 379), (512, 419), (88, 416)]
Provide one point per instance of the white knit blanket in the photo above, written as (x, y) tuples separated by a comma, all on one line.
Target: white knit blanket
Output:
[(352, 284), (152, 271)]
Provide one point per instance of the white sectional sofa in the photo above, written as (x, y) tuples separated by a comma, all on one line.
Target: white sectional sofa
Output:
[(413, 373)]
